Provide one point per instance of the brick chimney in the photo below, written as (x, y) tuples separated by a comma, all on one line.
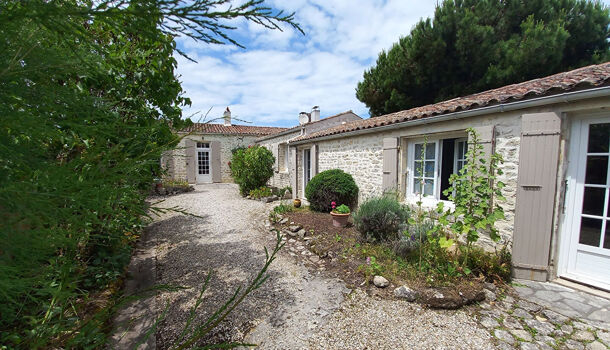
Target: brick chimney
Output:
[(227, 117)]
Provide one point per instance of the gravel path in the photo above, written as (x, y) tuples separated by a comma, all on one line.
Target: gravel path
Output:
[(296, 308)]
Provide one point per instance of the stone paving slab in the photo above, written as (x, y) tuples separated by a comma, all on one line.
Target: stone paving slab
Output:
[(566, 301)]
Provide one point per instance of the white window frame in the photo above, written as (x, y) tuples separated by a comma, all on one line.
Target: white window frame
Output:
[(455, 155), (429, 201), (412, 158)]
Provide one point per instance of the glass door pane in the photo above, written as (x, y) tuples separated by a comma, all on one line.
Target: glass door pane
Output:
[(596, 200)]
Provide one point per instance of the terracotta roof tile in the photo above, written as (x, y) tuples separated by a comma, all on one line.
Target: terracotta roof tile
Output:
[(589, 76), (212, 128)]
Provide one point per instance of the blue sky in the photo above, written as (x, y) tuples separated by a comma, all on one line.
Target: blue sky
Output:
[(280, 74)]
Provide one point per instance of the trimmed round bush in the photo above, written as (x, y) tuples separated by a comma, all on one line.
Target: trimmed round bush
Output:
[(333, 185), (380, 218), (251, 168)]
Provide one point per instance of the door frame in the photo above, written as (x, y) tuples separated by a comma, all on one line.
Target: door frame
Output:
[(568, 239), (305, 182), (209, 151)]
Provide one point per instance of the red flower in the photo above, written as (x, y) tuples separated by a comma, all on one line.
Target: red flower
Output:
[(333, 204)]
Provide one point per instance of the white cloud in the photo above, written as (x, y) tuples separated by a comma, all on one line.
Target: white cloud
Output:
[(283, 73)]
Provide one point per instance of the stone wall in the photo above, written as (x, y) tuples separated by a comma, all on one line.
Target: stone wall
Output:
[(281, 175), (359, 156), (227, 143), (362, 157)]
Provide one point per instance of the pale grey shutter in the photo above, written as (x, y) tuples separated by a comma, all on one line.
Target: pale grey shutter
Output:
[(216, 164), (292, 151), (390, 164), (191, 160), (538, 158), (314, 160), (486, 139)]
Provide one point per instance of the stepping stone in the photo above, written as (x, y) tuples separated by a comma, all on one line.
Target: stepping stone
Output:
[(604, 337), (573, 345), (555, 317), (529, 346), (567, 329), (542, 328), (520, 333), (596, 345), (582, 335), (546, 339), (544, 346), (489, 322), (548, 295), (519, 312), (531, 307), (512, 323), (504, 336)]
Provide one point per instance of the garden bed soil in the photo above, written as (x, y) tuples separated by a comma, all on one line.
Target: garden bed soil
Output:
[(343, 253)]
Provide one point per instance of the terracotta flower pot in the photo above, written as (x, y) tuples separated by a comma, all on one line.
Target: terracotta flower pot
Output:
[(296, 203), (339, 220)]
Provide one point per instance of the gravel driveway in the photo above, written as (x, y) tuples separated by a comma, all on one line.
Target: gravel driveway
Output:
[(296, 308)]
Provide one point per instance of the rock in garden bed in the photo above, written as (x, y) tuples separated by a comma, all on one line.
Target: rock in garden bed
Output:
[(452, 297), (344, 254)]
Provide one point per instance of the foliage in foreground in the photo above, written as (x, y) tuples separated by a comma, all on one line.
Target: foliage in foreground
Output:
[(251, 168), (329, 186), (439, 245), (379, 218), (88, 96), (471, 46)]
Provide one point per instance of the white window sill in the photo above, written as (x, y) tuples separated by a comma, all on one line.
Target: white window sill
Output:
[(428, 202)]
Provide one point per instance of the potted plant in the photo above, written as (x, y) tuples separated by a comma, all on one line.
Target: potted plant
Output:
[(340, 214)]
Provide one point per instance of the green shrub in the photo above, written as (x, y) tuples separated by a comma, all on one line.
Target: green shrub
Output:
[(260, 192), (494, 266), (333, 185), (281, 191), (379, 218), (412, 238), (251, 168), (283, 208)]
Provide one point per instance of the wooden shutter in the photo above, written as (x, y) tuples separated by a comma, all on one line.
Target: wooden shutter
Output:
[(292, 151), (390, 164), (314, 160), (191, 160), (486, 139), (216, 164), (536, 186)]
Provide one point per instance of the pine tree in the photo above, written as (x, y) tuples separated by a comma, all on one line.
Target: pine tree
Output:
[(471, 46)]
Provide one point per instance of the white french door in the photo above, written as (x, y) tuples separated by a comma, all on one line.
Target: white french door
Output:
[(585, 252), (204, 166)]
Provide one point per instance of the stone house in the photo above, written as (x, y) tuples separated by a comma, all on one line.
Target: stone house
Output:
[(554, 136), (204, 153), (309, 123)]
